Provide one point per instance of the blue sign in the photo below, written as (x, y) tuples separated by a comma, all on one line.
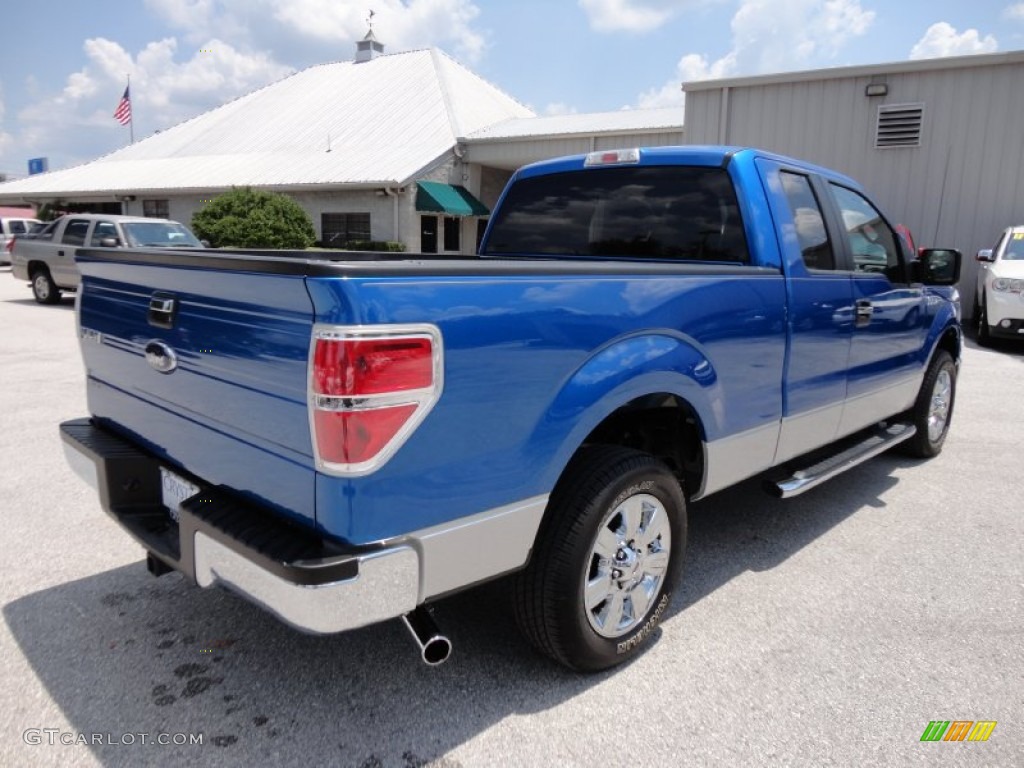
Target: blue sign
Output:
[(38, 165)]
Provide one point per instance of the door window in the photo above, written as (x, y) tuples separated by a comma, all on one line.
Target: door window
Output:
[(872, 242), (75, 231), (811, 232), (101, 230)]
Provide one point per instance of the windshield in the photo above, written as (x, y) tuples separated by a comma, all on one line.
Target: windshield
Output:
[(677, 213), (159, 234)]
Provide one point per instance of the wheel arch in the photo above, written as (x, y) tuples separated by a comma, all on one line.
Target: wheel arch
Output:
[(653, 393), (37, 265)]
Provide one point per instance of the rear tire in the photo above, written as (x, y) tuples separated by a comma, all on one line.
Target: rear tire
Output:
[(933, 410), (606, 559), (44, 289)]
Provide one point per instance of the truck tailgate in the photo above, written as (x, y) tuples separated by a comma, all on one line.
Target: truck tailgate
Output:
[(230, 407)]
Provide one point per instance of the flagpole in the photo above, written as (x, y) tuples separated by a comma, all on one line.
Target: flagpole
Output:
[(131, 122)]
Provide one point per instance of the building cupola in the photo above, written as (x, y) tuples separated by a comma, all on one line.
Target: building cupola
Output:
[(368, 47)]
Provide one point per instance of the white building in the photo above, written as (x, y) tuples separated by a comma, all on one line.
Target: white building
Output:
[(410, 146), (939, 143)]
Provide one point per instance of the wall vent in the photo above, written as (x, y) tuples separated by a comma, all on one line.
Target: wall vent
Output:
[(899, 125)]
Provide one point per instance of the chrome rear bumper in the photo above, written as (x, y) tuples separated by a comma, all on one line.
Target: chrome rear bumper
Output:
[(307, 581)]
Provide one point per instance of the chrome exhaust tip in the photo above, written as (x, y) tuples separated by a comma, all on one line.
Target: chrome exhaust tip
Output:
[(434, 647)]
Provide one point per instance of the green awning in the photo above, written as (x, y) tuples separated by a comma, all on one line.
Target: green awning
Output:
[(451, 199)]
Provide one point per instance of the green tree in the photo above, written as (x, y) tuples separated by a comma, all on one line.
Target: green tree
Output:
[(252, 218)]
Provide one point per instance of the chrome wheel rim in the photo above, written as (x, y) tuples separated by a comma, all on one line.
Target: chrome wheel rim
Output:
[(627, 565), (42, 287), (938, 412)]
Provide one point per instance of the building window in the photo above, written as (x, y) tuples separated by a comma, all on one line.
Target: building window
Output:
[(337, 229), (899, 125), (452, 231), (156, 209)]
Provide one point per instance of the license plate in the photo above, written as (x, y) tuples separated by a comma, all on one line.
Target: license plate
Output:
[(174, 490)]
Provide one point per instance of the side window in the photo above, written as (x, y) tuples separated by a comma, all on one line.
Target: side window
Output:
[(872, 242), (156, 209), (101, 230), (74, 232), (18, 227), (811, 232), (46, 233)]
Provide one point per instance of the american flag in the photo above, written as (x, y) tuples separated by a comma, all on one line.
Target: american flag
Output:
[(123, 113)]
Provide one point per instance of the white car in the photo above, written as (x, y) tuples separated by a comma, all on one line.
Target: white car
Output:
[(999, 300), (12, 226)]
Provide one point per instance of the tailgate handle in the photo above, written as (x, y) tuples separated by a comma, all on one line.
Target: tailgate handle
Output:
[(163, 308)]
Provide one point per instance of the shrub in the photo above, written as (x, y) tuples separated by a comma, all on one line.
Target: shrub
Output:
[(253, 218), (371, 245)]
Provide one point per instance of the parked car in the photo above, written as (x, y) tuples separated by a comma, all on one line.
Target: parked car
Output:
[(11, 227), (46, 256), (999, 298)]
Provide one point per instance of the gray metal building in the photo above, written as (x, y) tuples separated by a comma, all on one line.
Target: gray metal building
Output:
[(939, 143)]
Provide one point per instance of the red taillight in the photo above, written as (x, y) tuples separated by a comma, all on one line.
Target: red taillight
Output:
[(369, 389), (354, 367), (355, 437), (10, 245)]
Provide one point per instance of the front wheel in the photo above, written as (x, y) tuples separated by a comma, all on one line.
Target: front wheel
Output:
[(933, 409), (606, 559), (44, 289), (981, 318)]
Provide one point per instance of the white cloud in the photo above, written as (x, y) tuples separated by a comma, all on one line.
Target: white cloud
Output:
[(942, 39), (559, 108), (775, 36), (627, 15), (399, 25), (1015, 12), (691, 67), (771, 36), (184, 13)]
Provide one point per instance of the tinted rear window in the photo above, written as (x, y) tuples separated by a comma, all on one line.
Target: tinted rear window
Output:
[(663, 212)]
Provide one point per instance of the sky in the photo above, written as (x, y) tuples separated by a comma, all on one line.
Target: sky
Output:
[(62, 72)]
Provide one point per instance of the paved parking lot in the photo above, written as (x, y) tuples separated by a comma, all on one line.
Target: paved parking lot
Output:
[(826, 630)]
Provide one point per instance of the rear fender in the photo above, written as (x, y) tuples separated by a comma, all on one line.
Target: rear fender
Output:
[(619, 373)]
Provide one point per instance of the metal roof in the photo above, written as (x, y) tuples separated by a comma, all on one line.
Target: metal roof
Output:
[(375, 122), (620, 121)]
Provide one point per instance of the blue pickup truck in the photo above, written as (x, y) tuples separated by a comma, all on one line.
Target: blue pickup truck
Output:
[(343, 438)]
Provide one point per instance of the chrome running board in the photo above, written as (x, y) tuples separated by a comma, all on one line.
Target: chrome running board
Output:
[(877, 441)]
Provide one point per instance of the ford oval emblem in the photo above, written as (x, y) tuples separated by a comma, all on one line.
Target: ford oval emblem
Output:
[(161, 357)]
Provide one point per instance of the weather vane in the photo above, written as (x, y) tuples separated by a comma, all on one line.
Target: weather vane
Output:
[(369, 19)]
